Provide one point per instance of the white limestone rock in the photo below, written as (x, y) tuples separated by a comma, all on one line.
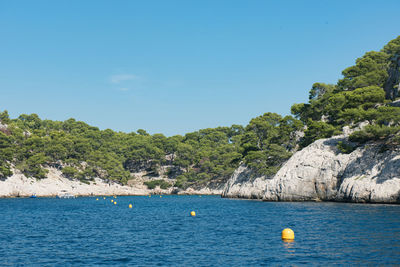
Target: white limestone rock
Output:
[(18, 185), (373, 176), (243, 184), (310, 174), (320, 172)]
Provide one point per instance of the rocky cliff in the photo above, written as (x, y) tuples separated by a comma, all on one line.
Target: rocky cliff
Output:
[(320, 172), (244, 184)]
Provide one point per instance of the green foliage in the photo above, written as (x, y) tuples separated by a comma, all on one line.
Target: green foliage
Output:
[(4, 117), (366, 97), (154, 183), (142, 132), (370, 70), (383, 115), (5, 170), (269, 161), (356, 98), (31, 122), (208, 155), (184, 155), (70, 172), (35, 144), (393, 47), (267, 142), (362, 99), (317, 130), (319, 90), (6, 153), (319, 97), (33, 166), (201, 157), (345, 147), (374, 132)]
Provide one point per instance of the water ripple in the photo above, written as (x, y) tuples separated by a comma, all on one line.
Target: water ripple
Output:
[(160, 232)]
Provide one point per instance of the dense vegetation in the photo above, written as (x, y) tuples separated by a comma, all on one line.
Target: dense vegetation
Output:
[(364, 94), (84, 152), (80, 151)]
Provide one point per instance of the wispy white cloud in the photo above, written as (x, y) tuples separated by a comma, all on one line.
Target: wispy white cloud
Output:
[(123, 77)]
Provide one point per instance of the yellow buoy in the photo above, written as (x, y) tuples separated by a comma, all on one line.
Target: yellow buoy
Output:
[(104, 197), (97, 199), (287, 234), (160, 196), (130, 206), (112, 200), (192, 213), (115, 202)]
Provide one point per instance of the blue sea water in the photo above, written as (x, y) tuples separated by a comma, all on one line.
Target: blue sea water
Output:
[(160, 232)]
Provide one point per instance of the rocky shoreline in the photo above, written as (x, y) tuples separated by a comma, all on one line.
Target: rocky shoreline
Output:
[(18, 185), (320, 172)]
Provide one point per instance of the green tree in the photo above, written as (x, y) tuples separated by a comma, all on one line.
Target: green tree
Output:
[(370, 70), (4, 117), (317, 130)]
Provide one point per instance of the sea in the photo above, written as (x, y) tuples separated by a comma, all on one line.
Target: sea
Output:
[(159, 231)]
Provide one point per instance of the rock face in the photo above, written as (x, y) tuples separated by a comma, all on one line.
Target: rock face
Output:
[(243, 184), (320, 172)]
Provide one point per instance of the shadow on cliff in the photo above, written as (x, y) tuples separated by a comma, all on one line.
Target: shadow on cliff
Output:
[(333, 142), (381, 166)]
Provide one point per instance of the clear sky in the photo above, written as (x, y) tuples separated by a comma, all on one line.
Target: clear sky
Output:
[(178, 66)]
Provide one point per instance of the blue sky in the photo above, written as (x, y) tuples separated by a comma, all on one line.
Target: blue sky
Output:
[(178, 66)]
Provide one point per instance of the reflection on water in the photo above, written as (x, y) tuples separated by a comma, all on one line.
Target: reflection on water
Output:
[(289, 245)]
